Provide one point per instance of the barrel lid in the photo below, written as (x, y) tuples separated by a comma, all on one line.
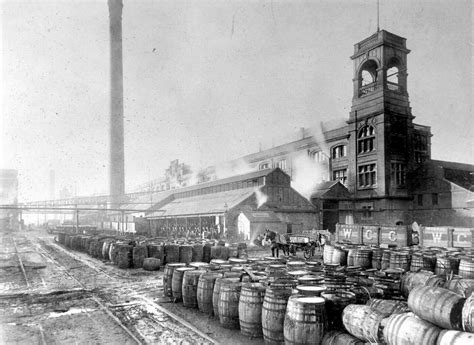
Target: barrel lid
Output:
[(295, 263), (297, 273), (199, 264), (277, 266), (310, 288), (311, 300), (176, 264), (313, 263), (183, 269)]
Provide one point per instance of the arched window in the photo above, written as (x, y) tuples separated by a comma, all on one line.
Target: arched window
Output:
[(366, 140), (318, 156), (367, 77), (263, 166), (393, 77), (339, 151)]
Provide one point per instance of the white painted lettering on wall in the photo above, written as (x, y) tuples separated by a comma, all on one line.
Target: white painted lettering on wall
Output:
[(463, 236), (347, 233), (437, 237), (368, 234), (392, 236)]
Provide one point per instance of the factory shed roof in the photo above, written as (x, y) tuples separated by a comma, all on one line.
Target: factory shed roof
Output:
[(215, 203), (330, 190)]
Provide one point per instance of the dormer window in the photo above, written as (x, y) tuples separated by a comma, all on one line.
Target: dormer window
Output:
[(263, 166)]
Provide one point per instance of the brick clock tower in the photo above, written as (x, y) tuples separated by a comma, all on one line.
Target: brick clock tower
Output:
[(380, 126)]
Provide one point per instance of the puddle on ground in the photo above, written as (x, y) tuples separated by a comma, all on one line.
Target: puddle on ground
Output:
[(71, 311)]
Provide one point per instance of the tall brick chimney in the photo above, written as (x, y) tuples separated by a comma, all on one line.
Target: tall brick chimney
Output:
[(117, 160)]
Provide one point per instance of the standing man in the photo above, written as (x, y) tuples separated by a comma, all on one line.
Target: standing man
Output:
[(271, 235)]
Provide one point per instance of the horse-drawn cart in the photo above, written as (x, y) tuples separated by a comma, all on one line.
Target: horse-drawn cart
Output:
[(307, 241)]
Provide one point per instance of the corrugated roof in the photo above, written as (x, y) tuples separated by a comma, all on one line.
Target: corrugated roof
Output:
[(144, 202), (214, 203)]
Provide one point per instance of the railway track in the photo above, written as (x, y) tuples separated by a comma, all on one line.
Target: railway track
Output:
[(106, 297)]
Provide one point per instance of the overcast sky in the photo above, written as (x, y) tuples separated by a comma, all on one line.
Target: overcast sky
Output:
[(206, 81)]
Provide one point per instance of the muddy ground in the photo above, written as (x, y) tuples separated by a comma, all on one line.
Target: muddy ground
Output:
[(53, 295)]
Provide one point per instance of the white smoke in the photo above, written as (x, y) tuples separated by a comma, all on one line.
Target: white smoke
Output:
[(261, 197), (307, 173), (232, 168)]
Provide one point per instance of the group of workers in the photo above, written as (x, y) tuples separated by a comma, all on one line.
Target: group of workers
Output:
[(190, 232)]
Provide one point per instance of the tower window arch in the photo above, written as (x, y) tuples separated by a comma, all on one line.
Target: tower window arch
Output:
[(367, 77), (366, 139), (393, 75), (339, 151)]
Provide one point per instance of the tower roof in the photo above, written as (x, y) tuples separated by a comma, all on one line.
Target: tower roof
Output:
[(377, 39)]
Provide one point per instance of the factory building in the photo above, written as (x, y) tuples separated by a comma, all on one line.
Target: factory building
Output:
[(239, 207)]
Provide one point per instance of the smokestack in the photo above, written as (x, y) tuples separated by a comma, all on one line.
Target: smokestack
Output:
[(117, 160)]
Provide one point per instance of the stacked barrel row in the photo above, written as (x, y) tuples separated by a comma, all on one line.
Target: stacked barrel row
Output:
[(148, 254), (439, 260)]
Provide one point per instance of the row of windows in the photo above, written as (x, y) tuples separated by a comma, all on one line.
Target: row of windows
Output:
[(281, 164)]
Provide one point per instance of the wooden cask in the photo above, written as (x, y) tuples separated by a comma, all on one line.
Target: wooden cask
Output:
[(387, 306), (229, 295), (177, 282), (363, 322), (205, 290), (151, 264), (190, 285), (408, 329), (273, 313), (336, 301), (468, 314), (305, 320), (438, 306), (168, 276), (447, 337), (250, 309)]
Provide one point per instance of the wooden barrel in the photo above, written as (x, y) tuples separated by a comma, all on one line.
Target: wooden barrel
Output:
[(463, 287), (447, 337), (438, 306), (387, 306), (156, 250), (168, 277), (206, 252), (105, 249), (185, 253), (151, 264), (273, 313), (124, 256), (407, 329), (400, 260), (377, 255), (216, 295), (205, 289), (200, 265), (140, 252), (177, 282), (385, 263), (228, 305), (363, 258), (250, 309), (466, 267), (171, 253), (410, 280), (295, 265), (198, 250), (61, 237), (468, 314), (310, 290), (363, 322), (310, 280), (189, 288), (340, 338), (423, 261), (446, 264), (435, 281), (305, 320), (336, 301), (339, 256), (328, 253)]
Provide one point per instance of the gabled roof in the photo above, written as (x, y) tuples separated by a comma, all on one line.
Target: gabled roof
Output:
[(215, 203), (145, 201), (330, 190)]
